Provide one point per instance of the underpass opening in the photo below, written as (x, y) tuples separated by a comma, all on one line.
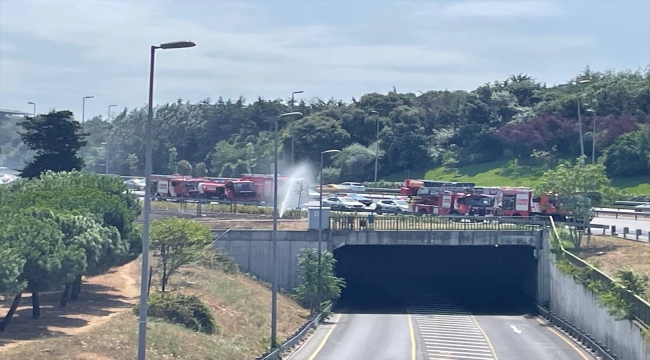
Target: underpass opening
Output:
[(400, 279)]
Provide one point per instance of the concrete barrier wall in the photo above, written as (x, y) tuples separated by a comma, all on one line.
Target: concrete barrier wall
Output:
[(579, 306), (251, 250)]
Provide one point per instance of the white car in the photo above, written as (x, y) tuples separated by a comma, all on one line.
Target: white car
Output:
[(392, 206), (352, 186), (343, 203), (642, 208)]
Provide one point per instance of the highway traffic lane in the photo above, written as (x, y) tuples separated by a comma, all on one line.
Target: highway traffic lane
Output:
[(361, 336), (531, 338), (620, 223)]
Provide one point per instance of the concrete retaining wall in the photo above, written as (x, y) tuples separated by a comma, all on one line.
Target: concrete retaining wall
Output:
[(579, 306), (251, 250)]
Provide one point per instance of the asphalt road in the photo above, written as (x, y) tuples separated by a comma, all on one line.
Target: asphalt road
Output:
[(621, 222), (449, 337)]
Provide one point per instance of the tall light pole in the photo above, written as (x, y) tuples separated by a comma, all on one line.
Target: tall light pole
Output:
[(376, 146), (108, 120), (320, 228), (144, 280), (83, 114), (291, 132), (274, 236), (34, 104), (105, 157), (582, 142), (593, 135)]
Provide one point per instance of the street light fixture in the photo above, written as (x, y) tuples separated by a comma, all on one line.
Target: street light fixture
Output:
[(144, 283), (376, 146), (34, 104), (83, 114), (274, 236), (291, 132), (320, 228)]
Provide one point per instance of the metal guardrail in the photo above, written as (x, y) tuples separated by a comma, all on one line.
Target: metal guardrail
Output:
[(356, 222), (619, 213), (293, 339), (576, 333), (639, 308)]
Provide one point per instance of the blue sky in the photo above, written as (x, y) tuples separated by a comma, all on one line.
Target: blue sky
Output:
[(56, 52)]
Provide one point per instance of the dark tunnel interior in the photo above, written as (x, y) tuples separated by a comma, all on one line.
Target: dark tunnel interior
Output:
[(479, 279)]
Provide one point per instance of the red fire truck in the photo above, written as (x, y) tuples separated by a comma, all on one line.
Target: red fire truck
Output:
[(445, 198), (520, 201), (178, 186)]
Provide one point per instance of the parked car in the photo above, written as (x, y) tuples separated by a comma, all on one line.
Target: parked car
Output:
[(343, 203), (642, 208), (392, 206), (352, 186), (135, 184), (358, 197)]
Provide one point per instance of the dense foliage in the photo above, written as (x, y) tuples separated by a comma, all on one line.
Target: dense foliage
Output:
[(508, 119), (330, 286), (185, 310), (58, 227), (55, 139)]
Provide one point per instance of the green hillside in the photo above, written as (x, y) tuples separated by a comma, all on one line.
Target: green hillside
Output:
[(495, 174)]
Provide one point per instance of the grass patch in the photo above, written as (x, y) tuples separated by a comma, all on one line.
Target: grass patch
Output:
[(240, 307), (495, 174)]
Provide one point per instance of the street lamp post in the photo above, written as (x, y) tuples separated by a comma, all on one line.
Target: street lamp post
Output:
[(376, 146), (582, 142), (274, 236), (144, 280), (593, 135), (108, 120), (34, 105), (320, 228), (83, 114), (292, 142)]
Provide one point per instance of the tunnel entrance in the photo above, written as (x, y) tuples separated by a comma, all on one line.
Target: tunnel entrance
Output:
[(479, 279)]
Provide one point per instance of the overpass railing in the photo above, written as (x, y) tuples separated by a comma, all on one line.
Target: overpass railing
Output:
[(639, 308), (358, 222)]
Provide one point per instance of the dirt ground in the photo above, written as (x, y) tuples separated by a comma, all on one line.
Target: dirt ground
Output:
[(610, 254), (102, 298)]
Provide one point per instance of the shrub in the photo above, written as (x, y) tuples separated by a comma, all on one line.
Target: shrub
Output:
[(186, 310), (212, 259)]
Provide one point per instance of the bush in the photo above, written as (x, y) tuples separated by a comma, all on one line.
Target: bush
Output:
[(216, 260), (186, 310)]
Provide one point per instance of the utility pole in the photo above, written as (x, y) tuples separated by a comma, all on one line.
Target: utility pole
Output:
[(376, 145), (293, 159)]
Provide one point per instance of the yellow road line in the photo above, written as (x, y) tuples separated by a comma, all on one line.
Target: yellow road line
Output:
[(322, 343), (412, 338), (563, 338), (486, 337)]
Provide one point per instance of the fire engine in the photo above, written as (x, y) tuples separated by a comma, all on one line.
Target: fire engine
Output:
[(445, 198), (178, 186), (263, 184), (520, 201)]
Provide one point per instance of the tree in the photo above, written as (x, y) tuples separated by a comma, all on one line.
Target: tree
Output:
[(49, 262), (579, 187), (176, 242), (331, 285), (630, 154), (184, 167), (356, 162), (171, 165), (55, 139)]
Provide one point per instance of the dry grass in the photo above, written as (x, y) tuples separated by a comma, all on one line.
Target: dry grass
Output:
[(240, 305), (611, 254)]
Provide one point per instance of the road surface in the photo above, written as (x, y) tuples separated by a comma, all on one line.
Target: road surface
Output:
[(621, 222), (436, 328)]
